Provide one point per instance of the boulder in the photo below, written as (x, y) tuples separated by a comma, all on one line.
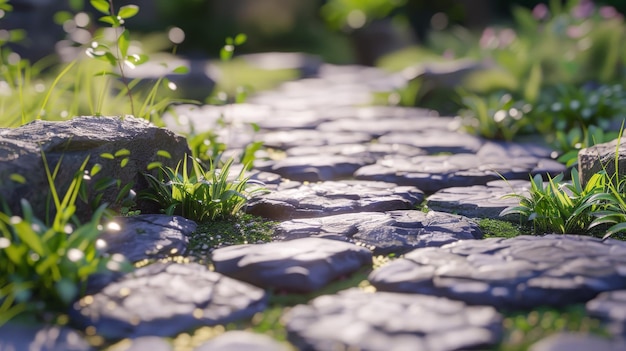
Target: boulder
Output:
[(68, 144), (602, 156)]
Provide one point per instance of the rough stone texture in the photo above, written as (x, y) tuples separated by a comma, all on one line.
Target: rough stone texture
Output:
[(492, 162), (302, 265), (377, 128), (610, 307), (315, 168), (577, 342), (435, 140), (516, 273), (602, 156), (148, 236), (166, 299), (74, 141), (484, 201), (384, 233), (331, 198), (144, 343), (303, 137), (370, 152), (357, 320), (242, 341), (17, 337)]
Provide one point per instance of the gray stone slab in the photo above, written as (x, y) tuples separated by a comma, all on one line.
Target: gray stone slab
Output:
[(315, 168), (143, 343), (147, 236), (29, 337), (480, 201), (303, 137), (357, 320), (493, 161), (302, 265), (515, 273), (331, 198), (384, 233), (370, 152), (610, 308), (166, 299), (237, 340), (436, 140), (577, 342), (379, 127)]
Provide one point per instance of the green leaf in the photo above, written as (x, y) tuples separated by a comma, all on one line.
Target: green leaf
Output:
[(137, 59), (112, 20), (226, 53), (107, 155), (123, 42), (164, 153), (122, 152), (95, 169), (101, 5), (240, 39), (18, 178), (181, 70), (153, 165), (124, 162), (128, 11), (61, 17), (620, 227)]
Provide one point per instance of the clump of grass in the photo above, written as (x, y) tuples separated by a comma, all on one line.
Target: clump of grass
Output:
[(198, 193), (495, 228)]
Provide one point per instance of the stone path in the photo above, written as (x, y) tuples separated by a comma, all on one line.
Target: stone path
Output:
[(349, 183)]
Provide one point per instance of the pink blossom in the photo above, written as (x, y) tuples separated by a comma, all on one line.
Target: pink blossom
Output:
[(488, 38), (541, 12), (506, 37), (608, 12), (584, 9)]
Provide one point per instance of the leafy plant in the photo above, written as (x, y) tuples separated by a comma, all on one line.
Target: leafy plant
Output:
[(44, 266), (557, 206), (200, 194)]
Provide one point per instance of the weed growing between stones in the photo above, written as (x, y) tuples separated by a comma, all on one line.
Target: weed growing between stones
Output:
[(198, 193), (45, 265), (522, 329), (494, 228)]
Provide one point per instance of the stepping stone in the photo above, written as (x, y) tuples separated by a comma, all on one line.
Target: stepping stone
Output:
[(165, 299), (577, 342), (314, 168), (384, 233), (483, 201), (237, 340), (283, 140), (493, 161), (151, 343), (517, 273), (435, 140), (610, 307), (29, 337), (369, 152), (148, 236), (358, 320), (377, 128), (302, 265), (331, 198), (376, 112)]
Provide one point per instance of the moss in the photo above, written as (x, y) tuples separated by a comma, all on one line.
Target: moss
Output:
[(495, 228)]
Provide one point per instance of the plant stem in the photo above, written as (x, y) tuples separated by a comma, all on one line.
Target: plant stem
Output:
[(120, 65)]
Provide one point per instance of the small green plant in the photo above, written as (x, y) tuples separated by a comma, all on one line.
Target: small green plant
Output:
[(558, 206), (198, 193), (44, 266)]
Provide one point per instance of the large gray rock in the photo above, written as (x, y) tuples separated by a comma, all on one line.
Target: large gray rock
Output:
[(302, 265), (71, 142), (602, 157), (357, 320), (17, 337), (384, 233), (166, 299), (331, 198), (147, 236), (516, 273)]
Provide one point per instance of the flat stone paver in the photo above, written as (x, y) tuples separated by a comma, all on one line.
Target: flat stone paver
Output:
[(484, 201), (565, 341), (435, 140), (149, 236), (517, 273), (368, 152), (384, 233), (354, 319), (242, 341), (284, 140), (610, 307), (164, 299), (301, 265), (432, 173), (29, 337), (315, 168), (332, 198), (143, 343), (377, 128)]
